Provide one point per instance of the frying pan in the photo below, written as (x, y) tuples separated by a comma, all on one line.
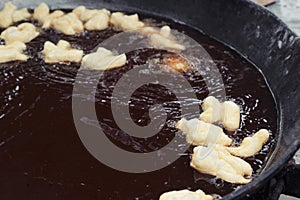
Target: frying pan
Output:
[(251, 30)]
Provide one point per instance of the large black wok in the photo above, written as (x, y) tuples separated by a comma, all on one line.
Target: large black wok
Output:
[(255, 33)]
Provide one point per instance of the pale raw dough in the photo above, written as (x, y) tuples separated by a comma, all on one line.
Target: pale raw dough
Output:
[(164, 39), (68, 24), (6, 15), (85, 14), (227, 113), (12, 52), (217, 161), (99, 21), (201, 133), (20, 15), (41, 13), (62, 52), (48, 20), (250, 145), (25, 32), (93, 19), (185, 195), (103, 59), (126, 22)]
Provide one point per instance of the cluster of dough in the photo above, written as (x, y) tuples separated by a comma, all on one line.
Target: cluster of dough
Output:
[(93, 19), (12, 52), (9, 15), (185, 195), (227, 113), (161, 38), (77, 21), (68, 24), (62, 52), (201, 133), (74, 22), (103, 59), (213, 154), (25, 32), (217, 161)]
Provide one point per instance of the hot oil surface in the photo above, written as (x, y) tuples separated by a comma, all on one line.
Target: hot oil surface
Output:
[(41, 155)]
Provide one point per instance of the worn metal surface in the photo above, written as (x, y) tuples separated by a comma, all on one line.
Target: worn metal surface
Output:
[(288, 11)]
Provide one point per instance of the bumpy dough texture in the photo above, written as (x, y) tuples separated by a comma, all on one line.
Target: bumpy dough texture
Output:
[(185, 195), (49, 19), (68, 24), (227, 113), (12, 52), (217, 161), (164, 39), (25, 32), (201, 133), (250, 145), (103, 59), (9, 14), (20, 15), (126, 22), (93, 19), (41, 12), (62, 52)]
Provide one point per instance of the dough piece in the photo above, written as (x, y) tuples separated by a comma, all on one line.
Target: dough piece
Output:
[(85, 14), (100, 21), (250, 145), (164, 39), (227, 113), (12, 52), (48, 20), (41, 13), (217, 161), (126, 22), (62, 52), (185, 195), (20, 15), (25, 32), (148, 31), (201, 133), (103, 59), (68, 24), (6, 14), (93, 19)]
